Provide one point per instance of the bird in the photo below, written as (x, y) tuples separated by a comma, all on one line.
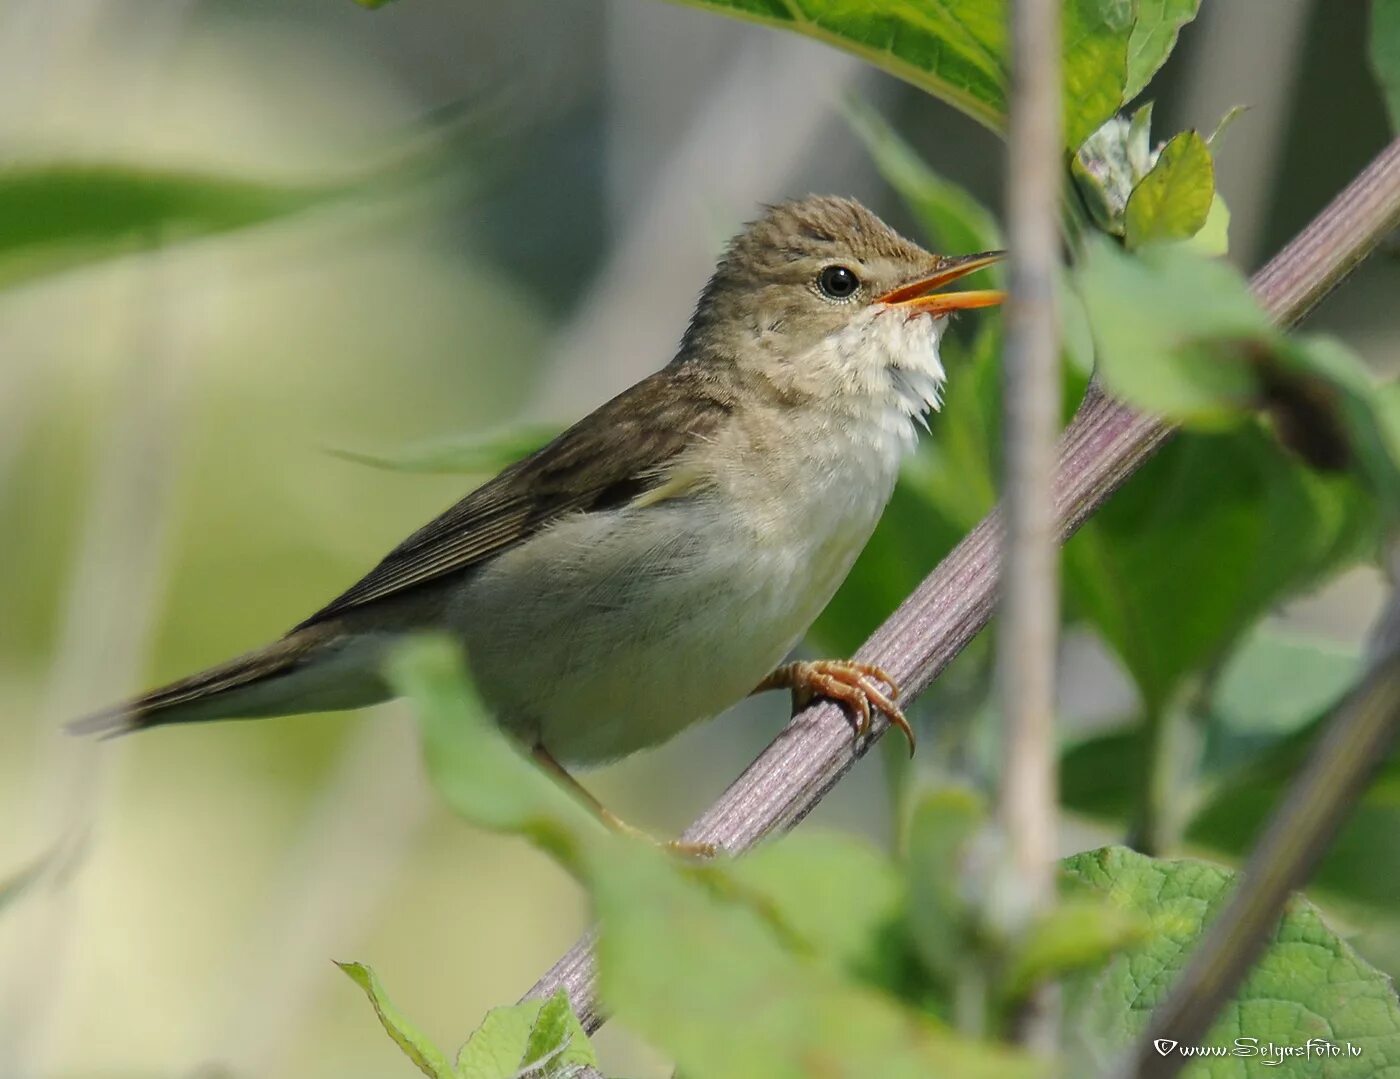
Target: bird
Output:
[(660, 559)]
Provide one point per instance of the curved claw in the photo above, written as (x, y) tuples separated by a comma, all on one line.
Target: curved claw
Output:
[(852, 685)]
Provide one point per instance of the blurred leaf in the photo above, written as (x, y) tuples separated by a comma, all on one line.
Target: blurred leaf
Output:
[(1181, 335), (1213, 240), (1152, 315), (474, 766), (23, 880), (497, 1047), (837, 896), (1154, 36), (1101, 775), (1266, 711), (1210, 533), (1360, 865), (1275, 683), (1075, 935), (953, 220), (557, 1042), (690, 971), (412, 1041), (941, 916), (1385, 54), (1308, 984), (472, 455), (539, 1039), (1173, 200), (54, 217), (1316, 386), (1233, 113)]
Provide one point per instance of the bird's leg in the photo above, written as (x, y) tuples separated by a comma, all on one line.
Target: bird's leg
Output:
[(607, 816), (856, 686)]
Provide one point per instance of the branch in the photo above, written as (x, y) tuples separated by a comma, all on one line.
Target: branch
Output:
[(1357, 741), (1030, 616), (1101, 448)]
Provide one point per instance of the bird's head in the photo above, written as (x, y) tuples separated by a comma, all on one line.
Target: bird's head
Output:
[(820, 295)]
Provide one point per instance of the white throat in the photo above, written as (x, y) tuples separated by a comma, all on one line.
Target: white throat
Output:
[(891, 371)]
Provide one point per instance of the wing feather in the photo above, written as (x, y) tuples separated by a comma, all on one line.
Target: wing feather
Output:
[(619, 452)]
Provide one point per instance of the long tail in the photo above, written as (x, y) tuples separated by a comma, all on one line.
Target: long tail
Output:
[(310, 670)]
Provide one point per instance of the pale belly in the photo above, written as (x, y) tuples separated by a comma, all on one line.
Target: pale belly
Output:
[(611, 632)]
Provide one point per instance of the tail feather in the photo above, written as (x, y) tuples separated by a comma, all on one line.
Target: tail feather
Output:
[(216, 693)]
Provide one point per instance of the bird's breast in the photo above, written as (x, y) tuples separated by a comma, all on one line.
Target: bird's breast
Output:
[(611, 631)]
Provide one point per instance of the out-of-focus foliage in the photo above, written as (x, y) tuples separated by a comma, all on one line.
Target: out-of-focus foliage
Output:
[(415, 1045), (1212, 533), (687, 952), (1181, 335), (536, 1038), (855, 960), (957, 51), (1260, 720), (1308, 984), (471, 455), (1385, 53), (54, 217)]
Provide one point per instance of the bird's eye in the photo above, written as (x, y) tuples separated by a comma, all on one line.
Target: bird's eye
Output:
[(838, 282)]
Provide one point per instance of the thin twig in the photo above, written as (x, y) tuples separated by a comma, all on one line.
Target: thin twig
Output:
[(1356, 742), (1031, 405), (1104, 445)]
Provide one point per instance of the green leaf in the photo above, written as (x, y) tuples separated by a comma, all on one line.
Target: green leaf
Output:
[(953, 220), (1276, 682), (1095, 40), (690, 969), (1213, 241), (474, 767), (1181, 335), (1308, 984), (55, 217), (942, 909), (1359, 865), (472, 455), (429, 1059), (1265, 712), (957, 49), (535, 1039), (1211, 533), (836, 897), (1154, 36), (1173, 200), (1075, 935), (1153, 318), (496, 1048), (557, 1041), (1385, 54)]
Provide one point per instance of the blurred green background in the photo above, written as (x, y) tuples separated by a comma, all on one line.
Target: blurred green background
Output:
[(503, 213)]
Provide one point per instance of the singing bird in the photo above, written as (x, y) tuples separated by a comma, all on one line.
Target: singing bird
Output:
[(657, 561)]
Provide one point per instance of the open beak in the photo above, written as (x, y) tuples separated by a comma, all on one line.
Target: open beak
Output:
[(922, 295)]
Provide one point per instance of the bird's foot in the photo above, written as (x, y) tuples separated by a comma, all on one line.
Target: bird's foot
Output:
[(684, 847), (855, 686)]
